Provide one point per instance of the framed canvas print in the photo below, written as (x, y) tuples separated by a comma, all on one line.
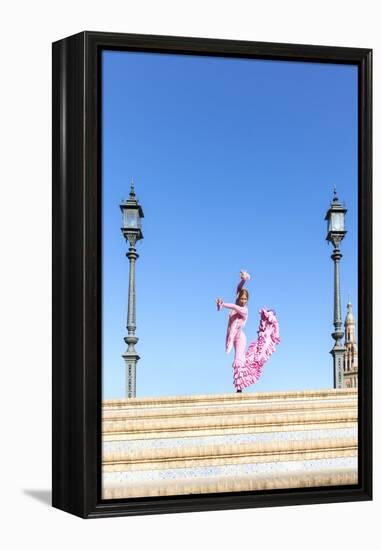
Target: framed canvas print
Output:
[(212, 329)]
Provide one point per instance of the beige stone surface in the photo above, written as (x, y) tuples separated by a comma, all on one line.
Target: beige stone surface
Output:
[(243, 483), (198, 423), (187, 411), (243, 449), (224, 455), (228, 397)]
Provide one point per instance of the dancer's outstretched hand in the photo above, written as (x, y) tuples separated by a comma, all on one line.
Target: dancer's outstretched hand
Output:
[(244, 275), (219, 303)]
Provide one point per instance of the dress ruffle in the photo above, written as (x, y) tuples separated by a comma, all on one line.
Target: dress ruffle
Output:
[(249, 371)]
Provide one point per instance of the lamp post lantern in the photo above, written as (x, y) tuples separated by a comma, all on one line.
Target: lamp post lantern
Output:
[(336, 232), (132, 214)]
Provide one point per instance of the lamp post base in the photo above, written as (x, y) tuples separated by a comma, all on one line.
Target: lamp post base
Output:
[(338, 366), (130, 360)]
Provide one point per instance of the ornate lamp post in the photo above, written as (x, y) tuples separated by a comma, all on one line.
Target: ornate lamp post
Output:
[(335, 234), (131, 228)]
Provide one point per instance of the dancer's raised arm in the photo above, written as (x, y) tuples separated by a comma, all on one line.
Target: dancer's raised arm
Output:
[(239, 309), (244, 276), (241, 300)]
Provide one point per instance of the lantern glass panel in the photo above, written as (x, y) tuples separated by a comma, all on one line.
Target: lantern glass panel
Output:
[(337, 221), (131, 218)]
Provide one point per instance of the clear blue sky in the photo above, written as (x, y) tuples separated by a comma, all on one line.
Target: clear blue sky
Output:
[(234, 163)]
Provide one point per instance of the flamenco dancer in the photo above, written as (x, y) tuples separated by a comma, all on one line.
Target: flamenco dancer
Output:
[(248, 365)]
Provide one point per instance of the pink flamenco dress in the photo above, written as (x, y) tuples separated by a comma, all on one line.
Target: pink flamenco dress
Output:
[(248, 365)]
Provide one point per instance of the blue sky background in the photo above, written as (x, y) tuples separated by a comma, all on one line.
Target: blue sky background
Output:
[(234, 163)]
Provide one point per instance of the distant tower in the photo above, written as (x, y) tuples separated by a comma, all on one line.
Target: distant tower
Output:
[(351, 353)]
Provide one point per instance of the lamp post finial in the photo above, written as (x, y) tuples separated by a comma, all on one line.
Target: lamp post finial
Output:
[(132, 190)]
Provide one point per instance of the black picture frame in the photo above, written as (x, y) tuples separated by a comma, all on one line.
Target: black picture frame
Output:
[(77, 274)]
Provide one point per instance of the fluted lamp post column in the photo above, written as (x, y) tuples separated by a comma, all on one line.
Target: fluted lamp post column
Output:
[(132, 231), (335, 234)]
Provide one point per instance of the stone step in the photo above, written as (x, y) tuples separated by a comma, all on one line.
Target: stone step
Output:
[(139, 403), (211, 455), (322, 474), (132, 445), (232, 423), (187, 411)]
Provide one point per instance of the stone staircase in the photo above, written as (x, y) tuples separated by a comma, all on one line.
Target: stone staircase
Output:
[(233, 442)]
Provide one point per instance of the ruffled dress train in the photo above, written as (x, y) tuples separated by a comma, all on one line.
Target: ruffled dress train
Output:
[(247, 367)]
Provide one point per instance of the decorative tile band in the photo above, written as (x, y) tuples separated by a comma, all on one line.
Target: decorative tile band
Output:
[(111, 479), (232, 439), (206, 432)]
